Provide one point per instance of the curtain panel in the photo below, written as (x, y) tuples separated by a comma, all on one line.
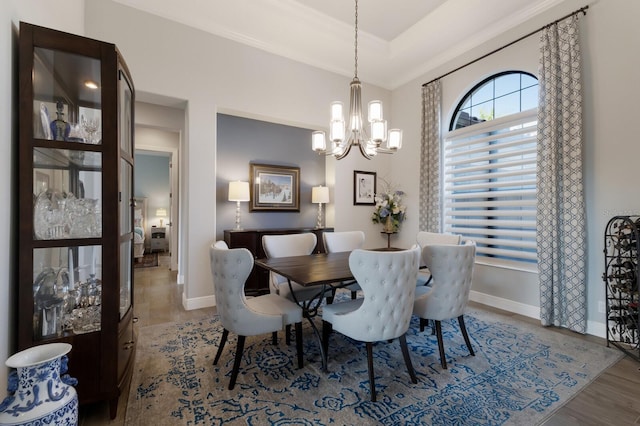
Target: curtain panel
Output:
[(430, 209), (561, 224)]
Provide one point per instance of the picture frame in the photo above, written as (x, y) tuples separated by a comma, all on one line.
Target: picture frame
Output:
[(364, 188), (274, 188)]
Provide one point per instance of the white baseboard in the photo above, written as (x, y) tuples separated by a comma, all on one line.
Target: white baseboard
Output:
[(593, 328), (506, 304), (198, 302)]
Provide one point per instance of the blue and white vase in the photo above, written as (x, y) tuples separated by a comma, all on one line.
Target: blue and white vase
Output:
[(39, 393)]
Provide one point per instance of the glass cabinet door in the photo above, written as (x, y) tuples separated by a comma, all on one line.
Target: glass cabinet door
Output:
[(67, 291), (126, 232), (67, 188), (67, 97)]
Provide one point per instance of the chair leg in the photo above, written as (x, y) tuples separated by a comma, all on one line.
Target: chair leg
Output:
[(465, 335), (274, 338), (372, 383), (287, 334), (236, 362), (327, 328), (333, 296), (223, 340), (443, 360), (299, 343), (407, 359), (423, 323)]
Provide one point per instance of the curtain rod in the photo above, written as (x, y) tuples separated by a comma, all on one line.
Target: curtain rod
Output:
[(582, 9)]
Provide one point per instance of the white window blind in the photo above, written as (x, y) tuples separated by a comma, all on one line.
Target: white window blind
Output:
[(490, 188)]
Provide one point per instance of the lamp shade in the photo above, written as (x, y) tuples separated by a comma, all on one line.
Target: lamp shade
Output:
[(320, 194), (238, 191)]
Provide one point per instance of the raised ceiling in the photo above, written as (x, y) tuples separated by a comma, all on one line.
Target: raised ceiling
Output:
[(398, 40)]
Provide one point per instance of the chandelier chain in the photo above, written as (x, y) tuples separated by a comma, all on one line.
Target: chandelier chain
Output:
[(356, 42)]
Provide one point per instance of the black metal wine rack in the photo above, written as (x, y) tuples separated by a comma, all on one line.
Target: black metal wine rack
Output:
[(621, 274)]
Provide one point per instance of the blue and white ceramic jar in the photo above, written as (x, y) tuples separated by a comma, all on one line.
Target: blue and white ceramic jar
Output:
[(39, 392)]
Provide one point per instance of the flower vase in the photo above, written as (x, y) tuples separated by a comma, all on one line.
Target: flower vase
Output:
[(38, 393), (389, 227)]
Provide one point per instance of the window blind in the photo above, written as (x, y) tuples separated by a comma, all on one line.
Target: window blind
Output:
[(489, 178)]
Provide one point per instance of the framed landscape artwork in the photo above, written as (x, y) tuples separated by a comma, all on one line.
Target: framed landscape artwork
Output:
[(274, 188), (364, 188)]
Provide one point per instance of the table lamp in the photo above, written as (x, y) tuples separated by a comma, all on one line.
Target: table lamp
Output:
[(319, 195), (161, 212), (238, 191)]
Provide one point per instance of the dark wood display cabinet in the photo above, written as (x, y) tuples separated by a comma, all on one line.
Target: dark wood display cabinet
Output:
[(621, 277), (251, 239), (75, 189)]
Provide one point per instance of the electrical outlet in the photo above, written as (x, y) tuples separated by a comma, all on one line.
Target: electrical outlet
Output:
[(601, 307)]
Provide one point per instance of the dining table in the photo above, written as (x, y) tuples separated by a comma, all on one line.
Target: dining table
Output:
[(326, 271)]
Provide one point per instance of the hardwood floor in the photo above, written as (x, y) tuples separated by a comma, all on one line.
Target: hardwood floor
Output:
[(612, 399)]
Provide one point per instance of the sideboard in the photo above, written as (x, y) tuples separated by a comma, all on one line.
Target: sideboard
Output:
[(251, 239)]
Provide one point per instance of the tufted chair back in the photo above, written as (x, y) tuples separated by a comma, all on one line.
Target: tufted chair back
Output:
[(424, 238), (335, 242), (284, 246), (220, 244), (388, 281), (452, 270), (230, 269)]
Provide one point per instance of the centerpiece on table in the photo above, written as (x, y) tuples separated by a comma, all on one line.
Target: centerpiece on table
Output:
[(389, 209)]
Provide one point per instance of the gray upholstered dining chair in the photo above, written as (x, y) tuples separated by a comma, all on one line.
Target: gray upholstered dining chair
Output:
[(335, 242), (388, 281), (424, 238), (268, 313), (447, 297)]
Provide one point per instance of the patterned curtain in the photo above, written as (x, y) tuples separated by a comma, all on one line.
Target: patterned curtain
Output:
[(561, 230), (430, 158)]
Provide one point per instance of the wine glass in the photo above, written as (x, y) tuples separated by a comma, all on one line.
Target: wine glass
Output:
[(91, 127)]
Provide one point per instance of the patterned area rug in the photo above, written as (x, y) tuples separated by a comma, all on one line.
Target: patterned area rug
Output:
[(521, 374), (149, 260)]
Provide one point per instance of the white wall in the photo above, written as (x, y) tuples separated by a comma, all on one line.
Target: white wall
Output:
[(611, 150), (66, 15)]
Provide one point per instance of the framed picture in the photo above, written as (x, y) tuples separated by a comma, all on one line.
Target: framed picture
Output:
[(364, 188), (274, 188)]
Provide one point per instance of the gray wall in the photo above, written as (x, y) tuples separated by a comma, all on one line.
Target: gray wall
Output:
[(242, 141)]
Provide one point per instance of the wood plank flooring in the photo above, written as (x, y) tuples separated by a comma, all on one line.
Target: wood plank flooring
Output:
[(612, 399)]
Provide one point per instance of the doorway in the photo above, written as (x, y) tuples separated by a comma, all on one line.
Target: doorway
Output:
[(156, 181)]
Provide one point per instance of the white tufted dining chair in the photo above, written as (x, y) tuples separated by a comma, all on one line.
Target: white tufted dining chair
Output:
[(335, 242), (284, 246), (388, 281), (247, 317), (447, 297), (424, 238)]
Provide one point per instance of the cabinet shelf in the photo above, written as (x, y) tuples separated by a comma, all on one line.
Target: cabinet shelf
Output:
[(621, 254)]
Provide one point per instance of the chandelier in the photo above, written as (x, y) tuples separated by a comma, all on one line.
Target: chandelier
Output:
[(342, 138)]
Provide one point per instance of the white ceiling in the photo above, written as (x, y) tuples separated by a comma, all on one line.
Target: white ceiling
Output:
[(397, 40)]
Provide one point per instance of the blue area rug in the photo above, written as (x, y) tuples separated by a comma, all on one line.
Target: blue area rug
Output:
[(521, 374)]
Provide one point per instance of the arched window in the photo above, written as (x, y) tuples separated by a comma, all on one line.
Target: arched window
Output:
[(489, 171)]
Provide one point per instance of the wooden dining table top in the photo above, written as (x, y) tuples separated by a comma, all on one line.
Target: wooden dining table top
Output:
[(311, 270)]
